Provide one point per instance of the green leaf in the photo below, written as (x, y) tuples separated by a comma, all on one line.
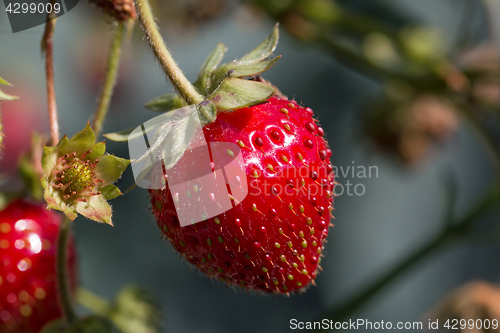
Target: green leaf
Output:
[(97, 151), (110, 192), (237, 93), (264, 50), (96, 209), (49, 160), (110, 168), (2, 81), (81, 142), (166, 102)]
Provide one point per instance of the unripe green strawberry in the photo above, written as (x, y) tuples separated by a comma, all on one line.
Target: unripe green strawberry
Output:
[(272, 240)]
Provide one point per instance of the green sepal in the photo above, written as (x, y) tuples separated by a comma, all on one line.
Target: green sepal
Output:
[(250, 69), (71, 213), (63, 142), (166, 102), (96, 209), (4, 96), (55, 201), (49, 159), (123, 136), (80, 142), (207, 112), (7, 97), (264, 50), (235, 69), (110, 192), (5, 83), (120, 136), (237, 93), (212, 61), (110, 168), (211, 81), (97, 151)]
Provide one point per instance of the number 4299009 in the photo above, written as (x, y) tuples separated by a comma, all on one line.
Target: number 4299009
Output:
[(40, 8), (462, 324)]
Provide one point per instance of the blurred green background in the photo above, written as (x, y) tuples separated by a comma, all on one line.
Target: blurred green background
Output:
[(361, 66)]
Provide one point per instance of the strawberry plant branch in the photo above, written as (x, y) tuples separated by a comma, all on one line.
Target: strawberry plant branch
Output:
[(47, 47), (62, 278), (92, 302), (110, 78), (451, 233), (170, 67)]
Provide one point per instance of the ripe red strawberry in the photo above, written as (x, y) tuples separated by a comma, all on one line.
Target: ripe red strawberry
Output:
[(28, 291), (272, 240)]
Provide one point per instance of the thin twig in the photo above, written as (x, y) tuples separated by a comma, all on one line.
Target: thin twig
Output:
[(62, 272), (110, 78), (47, 48)]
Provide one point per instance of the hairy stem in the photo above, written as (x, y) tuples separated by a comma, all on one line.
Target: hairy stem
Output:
[(173, 72), (453, 231), (62, 272), (110, 78), (47, 48)]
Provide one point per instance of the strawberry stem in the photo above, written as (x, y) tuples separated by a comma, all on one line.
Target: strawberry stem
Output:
[(110, 78), (47, 47), (62, 278), (170, 67)]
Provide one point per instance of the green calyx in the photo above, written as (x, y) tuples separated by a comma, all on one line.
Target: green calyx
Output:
[(227, 87), (78, 176)]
